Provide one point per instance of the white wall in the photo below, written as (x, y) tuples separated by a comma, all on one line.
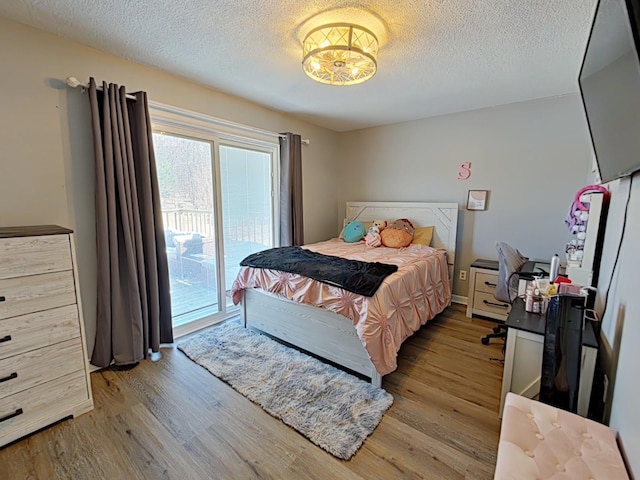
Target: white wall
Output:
[(532, 156), (46, 155), (621, 322)]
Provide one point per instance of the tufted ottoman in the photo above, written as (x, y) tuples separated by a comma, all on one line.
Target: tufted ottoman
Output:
[(538, 441)]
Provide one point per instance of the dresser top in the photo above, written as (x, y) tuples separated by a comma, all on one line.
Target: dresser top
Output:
[(483, 263), (33, 231)]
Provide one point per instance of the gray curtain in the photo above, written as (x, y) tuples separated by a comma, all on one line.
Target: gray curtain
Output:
[(134, 307), (291, 226)]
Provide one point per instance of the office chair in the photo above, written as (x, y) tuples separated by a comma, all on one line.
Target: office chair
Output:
[(510, 264), (499, 331)]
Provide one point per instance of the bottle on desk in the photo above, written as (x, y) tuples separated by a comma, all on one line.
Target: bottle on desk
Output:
[(555, 268), (537, 301), (534, 301)]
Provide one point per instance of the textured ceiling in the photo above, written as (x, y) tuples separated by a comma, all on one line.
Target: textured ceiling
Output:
[(436, 57)]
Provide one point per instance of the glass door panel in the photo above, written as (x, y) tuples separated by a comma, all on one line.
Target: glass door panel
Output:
[(247, 207), (185, 177)]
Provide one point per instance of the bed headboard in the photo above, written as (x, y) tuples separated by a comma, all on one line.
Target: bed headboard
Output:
[(443, 216)]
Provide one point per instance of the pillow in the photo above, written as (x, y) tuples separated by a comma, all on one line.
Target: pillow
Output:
[(354, 232), (346, 221), (397, 235), (423, 236), (394, 238), (510, 260)]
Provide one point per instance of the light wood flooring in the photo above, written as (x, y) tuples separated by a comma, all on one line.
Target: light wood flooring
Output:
[(172, 419)]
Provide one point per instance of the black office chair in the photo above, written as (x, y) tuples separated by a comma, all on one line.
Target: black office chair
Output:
[(499, 331)]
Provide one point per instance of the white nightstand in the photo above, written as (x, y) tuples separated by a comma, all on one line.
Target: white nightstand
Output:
[(483, 280)]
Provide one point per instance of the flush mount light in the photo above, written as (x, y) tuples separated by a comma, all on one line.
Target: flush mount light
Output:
[(340, 54)]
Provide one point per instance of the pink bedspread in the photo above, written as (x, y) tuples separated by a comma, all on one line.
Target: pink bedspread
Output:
[(405, 301)]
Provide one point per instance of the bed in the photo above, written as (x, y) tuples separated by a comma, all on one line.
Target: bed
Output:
[(346, 338)]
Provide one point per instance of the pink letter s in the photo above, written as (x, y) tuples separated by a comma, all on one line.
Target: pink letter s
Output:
[(465, 171)]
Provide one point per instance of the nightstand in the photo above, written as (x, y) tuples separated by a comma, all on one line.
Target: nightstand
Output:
[(483, 280)]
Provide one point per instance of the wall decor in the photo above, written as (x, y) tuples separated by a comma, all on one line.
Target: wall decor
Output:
[(477, 199), (464, 172)]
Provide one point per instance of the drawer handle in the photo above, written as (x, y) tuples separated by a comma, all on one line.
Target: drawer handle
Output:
[(2, 299), (10, 377), (11, 415), (493, 304), (6, 338), (489, 284)]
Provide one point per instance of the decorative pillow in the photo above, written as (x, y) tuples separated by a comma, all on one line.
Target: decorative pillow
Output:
[(354, 232), (510, 260), (423, 236), (397, 235), (344, 225)]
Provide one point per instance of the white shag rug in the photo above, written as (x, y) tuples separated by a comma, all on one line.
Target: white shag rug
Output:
[(332, 408)]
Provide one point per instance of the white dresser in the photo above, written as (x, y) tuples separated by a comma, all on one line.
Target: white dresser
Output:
[(483, 280), (44, 373)]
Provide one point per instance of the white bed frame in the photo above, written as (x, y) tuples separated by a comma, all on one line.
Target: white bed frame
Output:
[(325, 333)]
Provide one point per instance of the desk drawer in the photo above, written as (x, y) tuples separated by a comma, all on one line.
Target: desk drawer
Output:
[(36, 293), (24, 256), (486, 282), (488, 303)]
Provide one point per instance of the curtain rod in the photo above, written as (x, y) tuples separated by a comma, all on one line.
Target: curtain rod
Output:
[(73, 82)]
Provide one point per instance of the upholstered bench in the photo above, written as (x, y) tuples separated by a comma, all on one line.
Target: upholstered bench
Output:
[(538, 441)]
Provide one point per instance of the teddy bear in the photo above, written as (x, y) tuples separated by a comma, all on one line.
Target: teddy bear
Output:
[(381, 224)]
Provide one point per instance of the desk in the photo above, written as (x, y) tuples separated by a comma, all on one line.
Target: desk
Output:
[(523, 357)]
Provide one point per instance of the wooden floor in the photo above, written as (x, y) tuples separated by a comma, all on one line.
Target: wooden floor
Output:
[(172, 419)]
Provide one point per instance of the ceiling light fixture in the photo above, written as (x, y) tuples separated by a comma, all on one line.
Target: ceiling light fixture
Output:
[(340, 54)]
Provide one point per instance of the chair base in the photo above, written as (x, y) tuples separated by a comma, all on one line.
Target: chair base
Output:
[(498, 332)]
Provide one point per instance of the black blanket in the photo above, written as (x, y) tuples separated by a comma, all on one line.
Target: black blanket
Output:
[(362, 278)]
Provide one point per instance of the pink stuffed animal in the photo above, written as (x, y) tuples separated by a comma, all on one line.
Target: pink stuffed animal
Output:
[(372, 239)]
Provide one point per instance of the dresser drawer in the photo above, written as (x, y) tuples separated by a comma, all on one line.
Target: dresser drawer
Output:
[(34, 255), (49, 402), (488, 303), (29, 369), (22, 295), (36, 330), (486, 282)]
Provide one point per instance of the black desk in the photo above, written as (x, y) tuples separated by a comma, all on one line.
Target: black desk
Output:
[(523, 356), (535, 323)]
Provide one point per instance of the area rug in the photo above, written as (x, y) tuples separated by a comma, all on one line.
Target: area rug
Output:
[(332, 408)]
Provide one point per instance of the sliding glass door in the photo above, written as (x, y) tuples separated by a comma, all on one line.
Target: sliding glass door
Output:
[(218, 207), (247, 205), (185, 177)]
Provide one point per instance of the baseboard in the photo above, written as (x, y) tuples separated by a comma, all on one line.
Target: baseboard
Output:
[(459, 299)]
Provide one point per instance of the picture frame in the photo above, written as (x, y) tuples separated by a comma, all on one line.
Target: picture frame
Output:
[(477, 199)]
